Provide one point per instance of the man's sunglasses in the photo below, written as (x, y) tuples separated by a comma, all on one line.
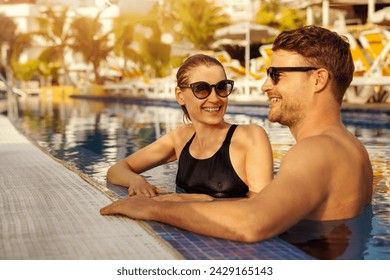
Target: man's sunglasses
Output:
[(202, 90), (274, 72)]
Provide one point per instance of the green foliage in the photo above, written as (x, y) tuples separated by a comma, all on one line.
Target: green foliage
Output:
[(25, 71), (22, 43), (195, 20), (49, 63), (53, 30), (291, 19), (7, 37), (273, 13), (88, 39), (123, 29), (137, 38), (8, 29)]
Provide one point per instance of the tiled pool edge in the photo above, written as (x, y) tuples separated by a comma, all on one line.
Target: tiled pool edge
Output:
[(198, 247), (49, 212)]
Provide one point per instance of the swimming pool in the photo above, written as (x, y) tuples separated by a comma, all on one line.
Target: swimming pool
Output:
[(92, 135)]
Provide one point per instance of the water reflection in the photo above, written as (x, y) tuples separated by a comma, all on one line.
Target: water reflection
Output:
[(92, 135), (344, 239)]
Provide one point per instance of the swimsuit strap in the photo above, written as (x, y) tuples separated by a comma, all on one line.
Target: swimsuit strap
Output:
[(229, 135), (191, 139)]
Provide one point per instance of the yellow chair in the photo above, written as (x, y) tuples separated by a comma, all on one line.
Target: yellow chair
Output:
[(362, 65), (374, 41), (223, 57), (233, 66), (266, 53)]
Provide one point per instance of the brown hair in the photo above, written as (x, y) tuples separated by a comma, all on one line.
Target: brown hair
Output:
[(188, 65), (324, 49)]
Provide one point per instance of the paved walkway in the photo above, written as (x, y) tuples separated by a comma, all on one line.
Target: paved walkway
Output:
[(49, 212)]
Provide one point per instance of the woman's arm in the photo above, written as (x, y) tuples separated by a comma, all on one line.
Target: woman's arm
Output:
[(254, 149), (126, 171), (259, 160)]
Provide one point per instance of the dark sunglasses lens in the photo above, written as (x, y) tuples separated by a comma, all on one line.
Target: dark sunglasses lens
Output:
[(201, 89), (273, 74), (224, 88)]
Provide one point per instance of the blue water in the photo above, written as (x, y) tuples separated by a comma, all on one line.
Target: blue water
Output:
[(92, 135)]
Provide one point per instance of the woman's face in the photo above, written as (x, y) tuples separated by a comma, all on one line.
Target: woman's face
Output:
[(210, 110)]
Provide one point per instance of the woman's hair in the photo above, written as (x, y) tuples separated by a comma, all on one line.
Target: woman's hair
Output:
[(323, 49), (192, 62)]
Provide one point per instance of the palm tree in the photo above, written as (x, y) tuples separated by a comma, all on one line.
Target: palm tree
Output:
[(23, 71), (123, 38), (123, 29), (88, 39), (138, 38), (195, 20), (273, 13), (53, 29), (154, 55), (7, 39)]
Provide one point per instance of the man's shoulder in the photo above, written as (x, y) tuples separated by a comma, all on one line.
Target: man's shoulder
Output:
[(315, 149), (316, 142)]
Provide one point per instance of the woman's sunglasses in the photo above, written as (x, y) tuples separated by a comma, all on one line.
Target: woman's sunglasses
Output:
[(274, 72), (202, 90)]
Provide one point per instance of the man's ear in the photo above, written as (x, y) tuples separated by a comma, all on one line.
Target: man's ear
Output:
[(179, 96), (321, 79)]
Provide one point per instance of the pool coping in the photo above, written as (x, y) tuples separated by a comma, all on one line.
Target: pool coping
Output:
[(50, 212), (372, 107)]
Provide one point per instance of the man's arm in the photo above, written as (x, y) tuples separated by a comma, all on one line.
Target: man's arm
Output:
[(295, 192)]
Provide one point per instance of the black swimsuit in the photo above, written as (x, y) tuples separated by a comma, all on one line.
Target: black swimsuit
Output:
[(214, 176)]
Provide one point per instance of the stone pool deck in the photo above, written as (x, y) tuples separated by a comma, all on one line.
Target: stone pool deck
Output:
[(50, 212)]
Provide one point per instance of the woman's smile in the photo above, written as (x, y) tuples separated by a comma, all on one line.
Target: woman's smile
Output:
[(211, 109)]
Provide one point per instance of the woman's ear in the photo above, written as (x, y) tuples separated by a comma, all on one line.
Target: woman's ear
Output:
[(179, 96)]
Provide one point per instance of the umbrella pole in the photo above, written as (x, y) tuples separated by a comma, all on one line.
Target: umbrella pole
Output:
[(371, 9), (247, 58)]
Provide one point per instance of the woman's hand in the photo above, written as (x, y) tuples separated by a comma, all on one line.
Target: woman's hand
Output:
[(139, 186)]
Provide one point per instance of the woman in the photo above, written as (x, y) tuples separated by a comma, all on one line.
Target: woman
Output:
[(215, 157)]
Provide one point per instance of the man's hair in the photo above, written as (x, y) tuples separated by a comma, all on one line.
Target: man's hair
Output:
[(188, 65), (322, 48)]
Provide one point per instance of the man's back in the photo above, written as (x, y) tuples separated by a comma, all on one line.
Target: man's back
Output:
[(346, 172)]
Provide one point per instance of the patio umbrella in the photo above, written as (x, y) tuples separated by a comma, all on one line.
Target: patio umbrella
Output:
[(244, 33), (381, 17), (239, 32)]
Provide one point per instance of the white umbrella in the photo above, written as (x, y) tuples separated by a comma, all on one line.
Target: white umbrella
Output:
[(381, 17), (239, 32), (246, 32)]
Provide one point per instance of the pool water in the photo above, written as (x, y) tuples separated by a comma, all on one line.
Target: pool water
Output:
[(92, 135)]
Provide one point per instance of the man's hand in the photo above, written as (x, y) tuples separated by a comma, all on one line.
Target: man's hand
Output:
[(140, 206), (135, 207)]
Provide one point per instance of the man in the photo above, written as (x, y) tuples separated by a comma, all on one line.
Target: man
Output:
[(325, 176)]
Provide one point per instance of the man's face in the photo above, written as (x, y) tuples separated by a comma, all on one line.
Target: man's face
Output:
[(287, 87)]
